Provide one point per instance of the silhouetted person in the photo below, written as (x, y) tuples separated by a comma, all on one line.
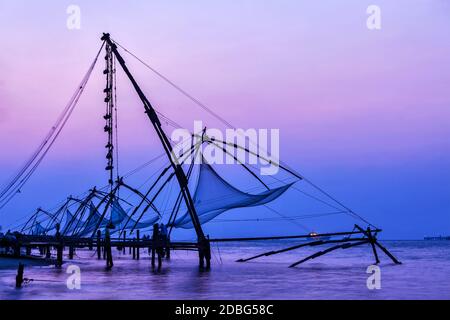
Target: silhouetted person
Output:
[(108, 251), (59, 248), (99, 247)]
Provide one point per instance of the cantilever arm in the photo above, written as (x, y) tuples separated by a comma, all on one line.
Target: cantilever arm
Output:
[(153, 117), (321, 253)]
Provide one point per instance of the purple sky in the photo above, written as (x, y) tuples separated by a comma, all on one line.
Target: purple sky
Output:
[(365, 114)]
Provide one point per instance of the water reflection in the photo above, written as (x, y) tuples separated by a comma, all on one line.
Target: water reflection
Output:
[(341, 275)]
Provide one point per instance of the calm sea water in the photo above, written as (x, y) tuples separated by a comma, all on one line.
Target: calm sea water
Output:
[(424, 274)]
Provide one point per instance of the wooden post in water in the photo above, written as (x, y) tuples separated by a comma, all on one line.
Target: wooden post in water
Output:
[(134, 249), (137, 247), (168, 248), (208, 253), (71, 252), (19, 276), (124, 242), (59, 256), (99, 248)]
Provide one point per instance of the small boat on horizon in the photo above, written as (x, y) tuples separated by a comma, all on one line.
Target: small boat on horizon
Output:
[(315, 236), (438, 238)]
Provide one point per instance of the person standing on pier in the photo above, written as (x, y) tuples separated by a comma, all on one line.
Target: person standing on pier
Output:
[(156, 246), (108, 251)]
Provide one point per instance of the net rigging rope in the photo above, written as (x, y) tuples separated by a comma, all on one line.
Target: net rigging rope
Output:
[(221, 119), (25, 173)]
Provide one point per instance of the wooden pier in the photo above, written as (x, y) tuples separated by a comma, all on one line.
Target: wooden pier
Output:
[(99, 212), (338, 240)]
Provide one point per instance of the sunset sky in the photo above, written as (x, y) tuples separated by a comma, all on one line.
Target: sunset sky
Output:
[(363, 113)]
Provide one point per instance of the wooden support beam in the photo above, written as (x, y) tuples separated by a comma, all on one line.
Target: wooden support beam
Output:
[(321, 253), (376, 243), (310, 244), (387, 253), (372, 244), (71, 252), (19, 276), (99, 248), (303, 236)]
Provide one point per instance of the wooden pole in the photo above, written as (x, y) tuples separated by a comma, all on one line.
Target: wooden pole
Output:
[(59, 255), (71, 252), (17, 250), (168, 248), (376, 243), (108, 250), (372, 244), (138, 247), (153, 117), (99, 248)]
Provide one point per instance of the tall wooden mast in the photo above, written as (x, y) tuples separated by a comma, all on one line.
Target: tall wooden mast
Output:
[(152, 115)]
